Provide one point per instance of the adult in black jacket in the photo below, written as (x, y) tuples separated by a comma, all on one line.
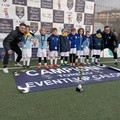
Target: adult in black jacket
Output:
[(110, 41), (10, 44)]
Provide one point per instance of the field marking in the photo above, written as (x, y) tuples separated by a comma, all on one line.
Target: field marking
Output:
[(12, 68)]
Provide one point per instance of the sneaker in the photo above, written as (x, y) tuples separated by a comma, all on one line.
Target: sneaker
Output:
[(17, 65), (88, 63), (70, 64), (46, 66), (73, 64), (63, 64), (84, 63), (51, 66), (5, 70), (76, 64), (28, 66), (56, 65), (66, 64), (24, 66), (116, 63), (39, 66), (92, 63)]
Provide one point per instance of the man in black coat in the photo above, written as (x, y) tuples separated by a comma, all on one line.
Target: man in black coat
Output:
[(110, 41), (10, 44)]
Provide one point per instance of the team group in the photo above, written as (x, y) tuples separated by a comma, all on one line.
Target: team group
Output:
[(75, 46)]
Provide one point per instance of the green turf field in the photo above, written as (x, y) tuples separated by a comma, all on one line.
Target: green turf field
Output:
[(99, 101)]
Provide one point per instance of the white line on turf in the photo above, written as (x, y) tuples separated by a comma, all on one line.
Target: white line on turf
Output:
[(12, 68)]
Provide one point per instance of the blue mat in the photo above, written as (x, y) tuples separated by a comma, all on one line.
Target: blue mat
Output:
[(44, 79)]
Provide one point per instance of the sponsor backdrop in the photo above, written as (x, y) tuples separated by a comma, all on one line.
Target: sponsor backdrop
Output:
[(48, 13)]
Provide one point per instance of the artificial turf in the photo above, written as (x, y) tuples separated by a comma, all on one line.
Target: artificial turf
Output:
[(99, 101)]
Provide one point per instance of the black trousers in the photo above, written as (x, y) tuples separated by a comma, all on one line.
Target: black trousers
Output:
[(112, 49), (17, 50)]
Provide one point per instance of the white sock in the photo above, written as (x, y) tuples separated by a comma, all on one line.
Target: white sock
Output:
[(93, 59), (45, 64), (65, 62), (39, 63), (28, 61), (55, 60), (76, 60), (61, 61), (81, 59), (51, 61), (24, 61), (115, 60), (87, 60)]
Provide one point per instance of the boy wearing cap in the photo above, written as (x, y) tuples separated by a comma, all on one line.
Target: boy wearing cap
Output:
[(97, 45), (64, 47)]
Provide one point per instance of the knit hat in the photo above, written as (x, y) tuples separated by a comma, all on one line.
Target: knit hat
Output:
[(98, 31)]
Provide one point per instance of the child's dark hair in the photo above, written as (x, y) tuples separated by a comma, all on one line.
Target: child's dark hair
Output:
[(53, 29), (80, 30), (23, 24), (73, 29), (87, 31), (106, 27)]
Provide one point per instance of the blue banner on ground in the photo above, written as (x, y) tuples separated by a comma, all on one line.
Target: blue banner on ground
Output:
[(44, 79)]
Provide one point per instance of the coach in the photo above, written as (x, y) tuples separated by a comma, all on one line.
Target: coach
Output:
[(110, 41), (10, 44)]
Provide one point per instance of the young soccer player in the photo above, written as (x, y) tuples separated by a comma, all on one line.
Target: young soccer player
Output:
[(80, 46), (53, 42), (97, 45), (27, 47), (42, 47), (86, 47), (73, 40), (64, 47)]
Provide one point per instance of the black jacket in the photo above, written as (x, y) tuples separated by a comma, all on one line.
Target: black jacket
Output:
[(110, 40), (12, 39), (64, 43)]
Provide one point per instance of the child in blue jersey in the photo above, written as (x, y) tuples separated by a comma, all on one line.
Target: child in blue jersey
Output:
[(53, 42), (42, 47), (64, 47), (73, 40), (80, 46), (27, 47), (97, 45), (86, 47)]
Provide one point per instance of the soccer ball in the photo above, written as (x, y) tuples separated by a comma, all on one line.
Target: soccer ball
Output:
[(79, 88)]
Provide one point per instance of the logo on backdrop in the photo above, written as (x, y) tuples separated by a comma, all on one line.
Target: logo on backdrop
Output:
[(79, 17), (20, 11), (70, 4)]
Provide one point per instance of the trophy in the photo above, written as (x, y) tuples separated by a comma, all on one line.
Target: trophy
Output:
[(79, 88)]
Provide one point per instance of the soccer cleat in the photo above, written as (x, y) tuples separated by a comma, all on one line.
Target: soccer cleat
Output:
[(56, 65), (46, 66), (5, 70), (51, 66), (17, 65), (39, 66)]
